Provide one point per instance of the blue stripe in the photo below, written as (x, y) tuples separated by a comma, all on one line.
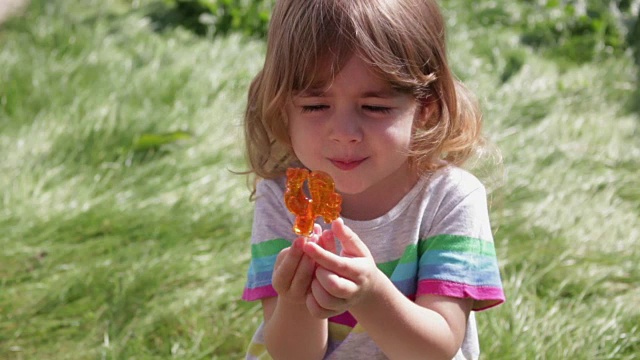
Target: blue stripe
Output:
[(407, 287), (472, 261), (265, 263), (405, 271), (460, 273), (259, 279)]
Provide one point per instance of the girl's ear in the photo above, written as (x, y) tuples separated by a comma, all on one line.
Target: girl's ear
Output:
[(426, 112)]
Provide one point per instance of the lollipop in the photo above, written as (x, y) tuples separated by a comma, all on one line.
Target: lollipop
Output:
[(324, 200)]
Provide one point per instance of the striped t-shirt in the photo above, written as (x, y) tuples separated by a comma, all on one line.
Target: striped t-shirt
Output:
[(436, 240)]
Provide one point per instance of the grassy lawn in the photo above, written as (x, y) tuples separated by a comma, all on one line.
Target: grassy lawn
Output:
[(124, 232)]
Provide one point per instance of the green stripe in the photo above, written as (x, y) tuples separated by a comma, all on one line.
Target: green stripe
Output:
[(388, 267), (269, 248), (409, 256), (457, 243)]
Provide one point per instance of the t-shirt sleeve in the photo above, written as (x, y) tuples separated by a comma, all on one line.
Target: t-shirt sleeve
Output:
[(458, 258), (271, 232)]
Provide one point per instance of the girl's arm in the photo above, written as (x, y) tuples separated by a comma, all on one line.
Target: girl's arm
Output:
[(290, 331), (433, 327)]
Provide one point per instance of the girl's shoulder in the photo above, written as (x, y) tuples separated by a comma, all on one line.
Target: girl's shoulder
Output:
[(454, 181), (271, 187), (455, 204)]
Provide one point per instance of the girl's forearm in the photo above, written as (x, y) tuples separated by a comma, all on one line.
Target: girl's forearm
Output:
[(292, 333), (403, 329)]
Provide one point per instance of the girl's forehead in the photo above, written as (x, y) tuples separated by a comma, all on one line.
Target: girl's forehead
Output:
[(356, 74), (324, 66), (321, 75)]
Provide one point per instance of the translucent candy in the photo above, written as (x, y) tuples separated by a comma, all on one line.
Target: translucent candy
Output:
[(324, 200)]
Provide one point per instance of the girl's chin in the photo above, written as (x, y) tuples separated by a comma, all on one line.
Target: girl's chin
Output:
[(350, 189)]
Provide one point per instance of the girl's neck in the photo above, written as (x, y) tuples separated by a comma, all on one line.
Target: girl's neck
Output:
[(379, 199)]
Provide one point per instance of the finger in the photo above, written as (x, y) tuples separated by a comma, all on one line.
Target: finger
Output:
[(316, 310), (287, 262), (315, 235), (327, 241), (317, 229), (352, 246), (330, 261), (335, 285), (325, 299), (303, 276), (281, 256)]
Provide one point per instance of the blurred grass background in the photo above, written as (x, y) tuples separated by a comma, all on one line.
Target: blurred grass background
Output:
[(124, 233)]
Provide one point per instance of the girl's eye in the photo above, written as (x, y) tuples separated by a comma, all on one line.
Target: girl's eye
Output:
[(377, 109), (312, 108)]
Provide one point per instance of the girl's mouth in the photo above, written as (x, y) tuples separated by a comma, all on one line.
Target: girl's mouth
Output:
[(347, 165)]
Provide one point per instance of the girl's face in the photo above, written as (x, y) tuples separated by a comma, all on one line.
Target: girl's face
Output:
[(358, 129)]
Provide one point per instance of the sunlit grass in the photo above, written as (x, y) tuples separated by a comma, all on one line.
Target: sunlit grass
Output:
[(110, 251), (566, 219), (115, 250)]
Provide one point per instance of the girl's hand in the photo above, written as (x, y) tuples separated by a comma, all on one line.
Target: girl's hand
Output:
[(341, 281), (293, 270)]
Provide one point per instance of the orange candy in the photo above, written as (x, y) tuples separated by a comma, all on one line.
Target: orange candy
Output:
[(324, 200)]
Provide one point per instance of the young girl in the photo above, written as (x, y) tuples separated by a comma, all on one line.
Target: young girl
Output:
[(361, 90)]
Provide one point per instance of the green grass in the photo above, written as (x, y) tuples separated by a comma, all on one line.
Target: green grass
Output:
[(123, 233)]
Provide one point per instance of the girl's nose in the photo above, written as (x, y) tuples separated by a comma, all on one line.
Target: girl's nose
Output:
[(345, 128)]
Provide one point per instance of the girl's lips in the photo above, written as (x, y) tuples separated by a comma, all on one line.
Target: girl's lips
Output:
[(347, 164)]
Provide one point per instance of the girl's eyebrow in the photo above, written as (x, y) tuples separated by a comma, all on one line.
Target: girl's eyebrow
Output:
[(313, 92), (385, 93), (320, 92)]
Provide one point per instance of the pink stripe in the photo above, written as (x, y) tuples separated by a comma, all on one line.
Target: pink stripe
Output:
[(258, 293), (344, 319), (485, 296)]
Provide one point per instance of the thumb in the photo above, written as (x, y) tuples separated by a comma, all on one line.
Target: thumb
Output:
[(352, 246)]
